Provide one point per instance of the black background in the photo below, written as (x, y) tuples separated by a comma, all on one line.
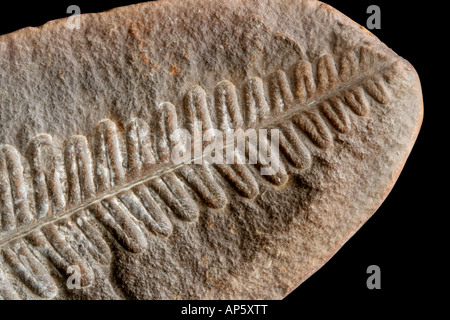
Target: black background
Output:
[(395, 238)]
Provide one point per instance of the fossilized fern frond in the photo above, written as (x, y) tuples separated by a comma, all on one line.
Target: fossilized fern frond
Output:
[(57, 202)]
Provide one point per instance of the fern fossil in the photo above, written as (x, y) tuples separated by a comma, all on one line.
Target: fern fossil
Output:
[(112, 177)]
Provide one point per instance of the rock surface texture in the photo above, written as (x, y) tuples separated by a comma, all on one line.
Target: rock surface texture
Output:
[(87, 186)]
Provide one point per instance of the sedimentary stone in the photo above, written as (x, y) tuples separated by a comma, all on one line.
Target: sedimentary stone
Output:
[(89, 191)]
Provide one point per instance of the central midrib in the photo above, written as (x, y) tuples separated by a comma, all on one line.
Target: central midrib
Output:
[(269, 123)]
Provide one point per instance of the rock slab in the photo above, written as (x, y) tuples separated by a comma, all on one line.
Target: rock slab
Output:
[(92, 206)]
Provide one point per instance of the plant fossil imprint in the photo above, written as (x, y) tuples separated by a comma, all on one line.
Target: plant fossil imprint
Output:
[(124, 178)]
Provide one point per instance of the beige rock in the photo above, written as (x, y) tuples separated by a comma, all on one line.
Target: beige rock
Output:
[(86, 184)]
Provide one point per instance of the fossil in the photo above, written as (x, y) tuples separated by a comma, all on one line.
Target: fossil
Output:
[(87, 184)]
